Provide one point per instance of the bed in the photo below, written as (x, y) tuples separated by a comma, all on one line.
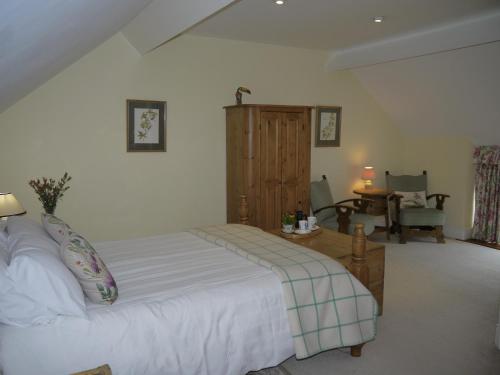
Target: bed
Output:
[(188, 304)]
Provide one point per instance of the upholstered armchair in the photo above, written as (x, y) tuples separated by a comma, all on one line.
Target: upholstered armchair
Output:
[(339, 216), (409, 207)]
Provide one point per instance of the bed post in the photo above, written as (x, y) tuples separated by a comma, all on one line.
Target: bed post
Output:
[(243, 210), (359, 263), (359, 268)]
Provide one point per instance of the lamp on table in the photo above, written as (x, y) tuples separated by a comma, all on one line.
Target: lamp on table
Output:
[(9, 206), (368, 176)]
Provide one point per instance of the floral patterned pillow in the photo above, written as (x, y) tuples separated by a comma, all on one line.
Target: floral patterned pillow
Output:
[(57, 228), (94, 277), (413, 199)]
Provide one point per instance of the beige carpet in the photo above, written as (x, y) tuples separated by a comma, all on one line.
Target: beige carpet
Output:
[(440, 312)]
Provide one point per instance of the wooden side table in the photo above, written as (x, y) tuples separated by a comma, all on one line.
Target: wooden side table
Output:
[(378, 207), (338, 246)]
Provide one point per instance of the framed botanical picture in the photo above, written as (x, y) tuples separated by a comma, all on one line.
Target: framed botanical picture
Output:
[(146, 125), (328, 120)]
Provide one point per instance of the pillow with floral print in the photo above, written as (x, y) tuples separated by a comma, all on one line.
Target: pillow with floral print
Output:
[(57, 228), (413, 199), (94, 277)]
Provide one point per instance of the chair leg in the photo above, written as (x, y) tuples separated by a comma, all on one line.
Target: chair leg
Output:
[(403, 235), (439, 234)]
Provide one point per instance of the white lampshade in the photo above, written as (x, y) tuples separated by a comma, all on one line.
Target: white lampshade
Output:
[(9, 205)]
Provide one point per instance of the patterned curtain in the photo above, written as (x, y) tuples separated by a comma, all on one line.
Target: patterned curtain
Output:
[(487, 189)]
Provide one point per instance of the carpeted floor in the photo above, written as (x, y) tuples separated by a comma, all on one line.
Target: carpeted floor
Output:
[(440, 312)]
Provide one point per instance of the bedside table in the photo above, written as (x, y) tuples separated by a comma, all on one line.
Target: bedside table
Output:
[(378, 207)]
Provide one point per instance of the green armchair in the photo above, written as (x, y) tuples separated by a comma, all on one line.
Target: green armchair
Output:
[(339, 216), (409, 209)]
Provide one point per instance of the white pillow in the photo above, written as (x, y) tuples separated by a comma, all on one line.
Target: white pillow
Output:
[(57, 228), (26, 234), (19, 225), (14, 306), (44, 280), (413, 199), (36, 286)]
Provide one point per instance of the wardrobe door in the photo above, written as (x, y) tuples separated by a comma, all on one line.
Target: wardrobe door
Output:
[(295, 159), (269, 204)]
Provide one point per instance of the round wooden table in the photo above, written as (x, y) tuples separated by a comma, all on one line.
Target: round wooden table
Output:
[(378, 207)]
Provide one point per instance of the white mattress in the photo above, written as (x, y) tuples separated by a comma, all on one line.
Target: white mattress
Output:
[(184, 307)]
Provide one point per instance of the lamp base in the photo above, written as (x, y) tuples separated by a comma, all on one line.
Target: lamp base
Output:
[(3, 223), (368, 184)]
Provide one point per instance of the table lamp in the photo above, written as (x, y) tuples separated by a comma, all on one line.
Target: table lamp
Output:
[(368, 176), (10, 206)]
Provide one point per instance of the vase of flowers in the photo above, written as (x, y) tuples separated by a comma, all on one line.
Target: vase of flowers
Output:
[(49, 191), (288, 221)]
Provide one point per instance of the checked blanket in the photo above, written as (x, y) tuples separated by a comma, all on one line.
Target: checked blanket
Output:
[(327, 307)]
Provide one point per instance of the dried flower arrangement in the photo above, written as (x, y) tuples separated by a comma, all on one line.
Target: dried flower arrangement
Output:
[(49, 191)]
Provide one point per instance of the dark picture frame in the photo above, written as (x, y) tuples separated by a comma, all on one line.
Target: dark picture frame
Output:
[(146, 125), (328, 122)]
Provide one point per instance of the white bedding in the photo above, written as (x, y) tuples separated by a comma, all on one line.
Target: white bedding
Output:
[(185, 306)]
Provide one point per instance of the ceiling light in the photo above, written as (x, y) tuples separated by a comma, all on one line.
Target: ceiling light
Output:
[(378, 19), (280, 2)]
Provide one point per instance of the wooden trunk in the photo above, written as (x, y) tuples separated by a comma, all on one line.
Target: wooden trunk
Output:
[(268, 160)]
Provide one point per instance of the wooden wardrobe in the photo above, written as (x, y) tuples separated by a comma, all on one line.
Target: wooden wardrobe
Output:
[(268, 160)]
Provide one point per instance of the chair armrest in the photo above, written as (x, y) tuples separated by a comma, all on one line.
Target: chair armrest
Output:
[(344, 211), (322, 208), (360, 204), (394, 197), (439, 199)]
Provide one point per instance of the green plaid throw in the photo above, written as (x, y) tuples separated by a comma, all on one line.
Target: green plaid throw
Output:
[(327, 306)]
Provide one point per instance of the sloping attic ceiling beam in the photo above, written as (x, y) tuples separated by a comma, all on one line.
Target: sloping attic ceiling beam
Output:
[(163, 20), (469, 32)]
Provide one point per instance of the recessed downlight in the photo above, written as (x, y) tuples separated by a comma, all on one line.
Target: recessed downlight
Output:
[(279, 2), (378, 19)]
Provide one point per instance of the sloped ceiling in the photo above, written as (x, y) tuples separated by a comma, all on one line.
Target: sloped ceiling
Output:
[(39, 38), (449, 93), (163, 20), (447, 89)]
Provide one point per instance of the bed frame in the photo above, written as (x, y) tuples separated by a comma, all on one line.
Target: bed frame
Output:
[(358, 266)]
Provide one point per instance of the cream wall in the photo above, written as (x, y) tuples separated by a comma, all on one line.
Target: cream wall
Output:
[(448, 161), (76, 122)]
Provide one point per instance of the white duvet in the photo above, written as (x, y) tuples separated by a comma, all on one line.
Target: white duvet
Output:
[(185, 306)]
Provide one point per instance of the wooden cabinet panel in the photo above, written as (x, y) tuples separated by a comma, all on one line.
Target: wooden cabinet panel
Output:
[(270, 169), (290, 134), (268, 159), (304, 164)]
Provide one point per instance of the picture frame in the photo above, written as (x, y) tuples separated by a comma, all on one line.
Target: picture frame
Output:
[(328, 123), (146, 125)]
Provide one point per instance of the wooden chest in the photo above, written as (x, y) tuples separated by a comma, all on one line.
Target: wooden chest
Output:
[(339, 247)]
